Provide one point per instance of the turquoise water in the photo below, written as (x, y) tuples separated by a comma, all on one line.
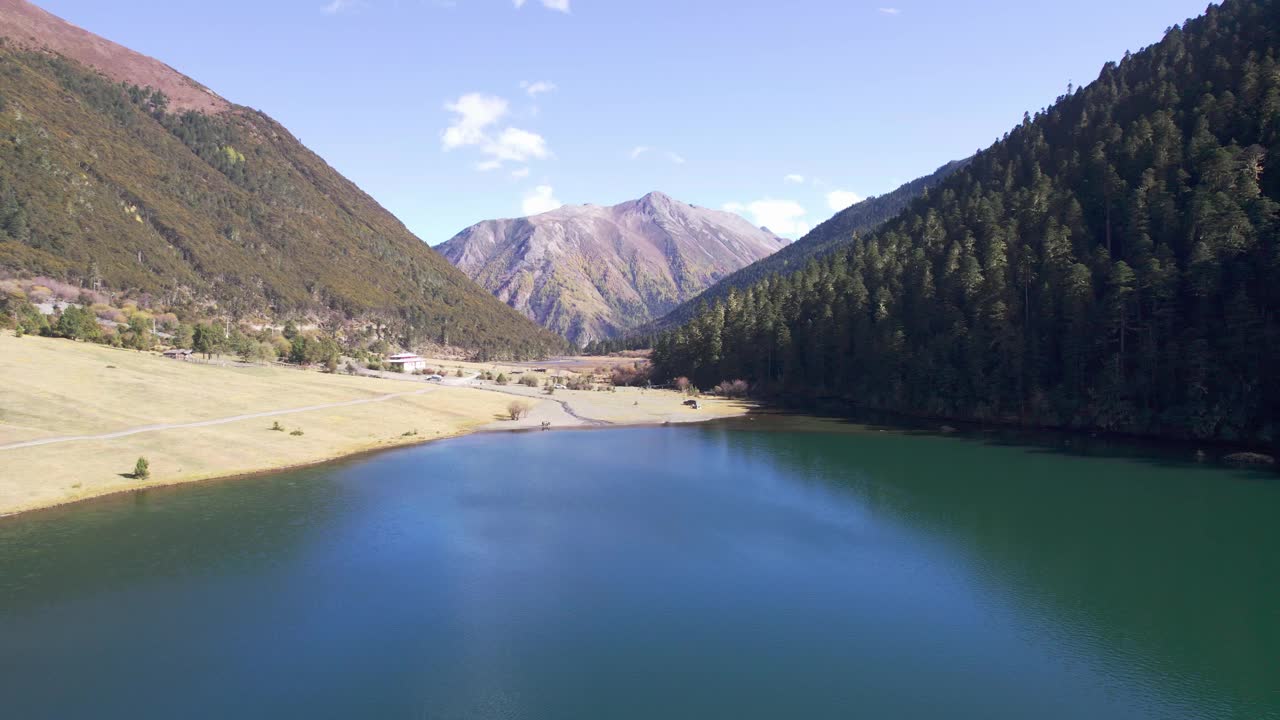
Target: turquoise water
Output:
[(740, 570)]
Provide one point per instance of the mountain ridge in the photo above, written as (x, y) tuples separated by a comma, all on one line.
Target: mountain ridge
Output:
[(826, 237), (593, 271), (1112, 263), (104, 181)]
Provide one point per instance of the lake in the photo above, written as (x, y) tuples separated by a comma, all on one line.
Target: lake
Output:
[(771, 568)]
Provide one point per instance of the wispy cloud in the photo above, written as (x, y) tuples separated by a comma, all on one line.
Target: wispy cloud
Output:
[(539, 200), (558, 5), (333, 7), (890, 11), (673, 157), (784, 217), (794, 179), (475, 122), (841, 199), (534, 89)]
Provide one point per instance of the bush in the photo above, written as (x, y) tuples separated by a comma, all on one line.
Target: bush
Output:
[(502, 379), (733, 389), (277, 426), (141, 469), (529, 381), (296, 433), (518, 409)]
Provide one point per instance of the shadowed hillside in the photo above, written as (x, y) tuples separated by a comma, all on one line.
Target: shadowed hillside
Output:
[(1112, 263)]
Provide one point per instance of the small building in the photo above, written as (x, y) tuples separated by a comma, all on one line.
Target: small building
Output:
[(407, 362), (178, 354)]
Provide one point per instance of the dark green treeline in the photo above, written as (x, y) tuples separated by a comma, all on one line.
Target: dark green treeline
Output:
[(1111, 263)]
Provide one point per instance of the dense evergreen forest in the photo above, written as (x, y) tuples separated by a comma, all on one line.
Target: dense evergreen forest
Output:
[(832, 234), (1112, 263), (826, 238)]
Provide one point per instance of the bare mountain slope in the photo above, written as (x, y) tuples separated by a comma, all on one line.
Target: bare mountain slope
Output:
[(30, 27), (591, 272)]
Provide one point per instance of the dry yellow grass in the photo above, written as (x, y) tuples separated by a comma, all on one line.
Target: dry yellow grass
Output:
[(55, 388), (58, 388)]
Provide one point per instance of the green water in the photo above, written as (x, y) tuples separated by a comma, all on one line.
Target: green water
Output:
[(755, 569)]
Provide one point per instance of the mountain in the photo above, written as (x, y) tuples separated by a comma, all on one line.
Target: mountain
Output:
[(118, 171), (833, 233), (1112, 263), (591, 272)]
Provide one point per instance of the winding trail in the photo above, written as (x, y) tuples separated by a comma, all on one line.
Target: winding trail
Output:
[(207, 423), (564, 404)]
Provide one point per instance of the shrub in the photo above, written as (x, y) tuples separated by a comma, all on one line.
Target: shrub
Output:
[(297, 432), (277, 426), (141, 469), (518, 409), (502, 379), (459, 373), (732, 388), (529, 381)]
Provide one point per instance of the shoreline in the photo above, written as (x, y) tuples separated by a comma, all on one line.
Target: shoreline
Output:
[(345, 456), (77, 417)]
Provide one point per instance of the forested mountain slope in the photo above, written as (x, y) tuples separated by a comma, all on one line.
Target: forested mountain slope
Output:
[(831, 234), (589, 272), (1111, 263), (108, 184)]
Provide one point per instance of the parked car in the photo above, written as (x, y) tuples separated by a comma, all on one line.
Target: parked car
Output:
[(692, 403), (435, 378), (560, 386)]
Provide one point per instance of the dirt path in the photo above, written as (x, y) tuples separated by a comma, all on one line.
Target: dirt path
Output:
[(564, 404), (207, 423)]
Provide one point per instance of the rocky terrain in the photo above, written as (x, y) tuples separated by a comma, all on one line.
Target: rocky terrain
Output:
[(590, 272)]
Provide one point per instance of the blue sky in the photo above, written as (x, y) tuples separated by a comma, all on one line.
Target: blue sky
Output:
[(450, 112)]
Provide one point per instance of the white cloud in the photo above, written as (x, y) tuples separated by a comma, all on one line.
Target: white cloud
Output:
[(794, 179), (534, 89), (560, 5), (641, 150), (474, 112), (841, 199), (520, 173), (517, 145), (475, 117), (539, 200), (890, 11), (784, 217), (336, 6)]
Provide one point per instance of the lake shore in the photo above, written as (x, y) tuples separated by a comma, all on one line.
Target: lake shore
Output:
[(76, 417)]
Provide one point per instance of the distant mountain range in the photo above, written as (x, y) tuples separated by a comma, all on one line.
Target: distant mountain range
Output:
[(117, 170), (836, 232), (590, 272)]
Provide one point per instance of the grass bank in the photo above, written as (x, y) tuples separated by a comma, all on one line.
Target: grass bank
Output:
[(97, 410)]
